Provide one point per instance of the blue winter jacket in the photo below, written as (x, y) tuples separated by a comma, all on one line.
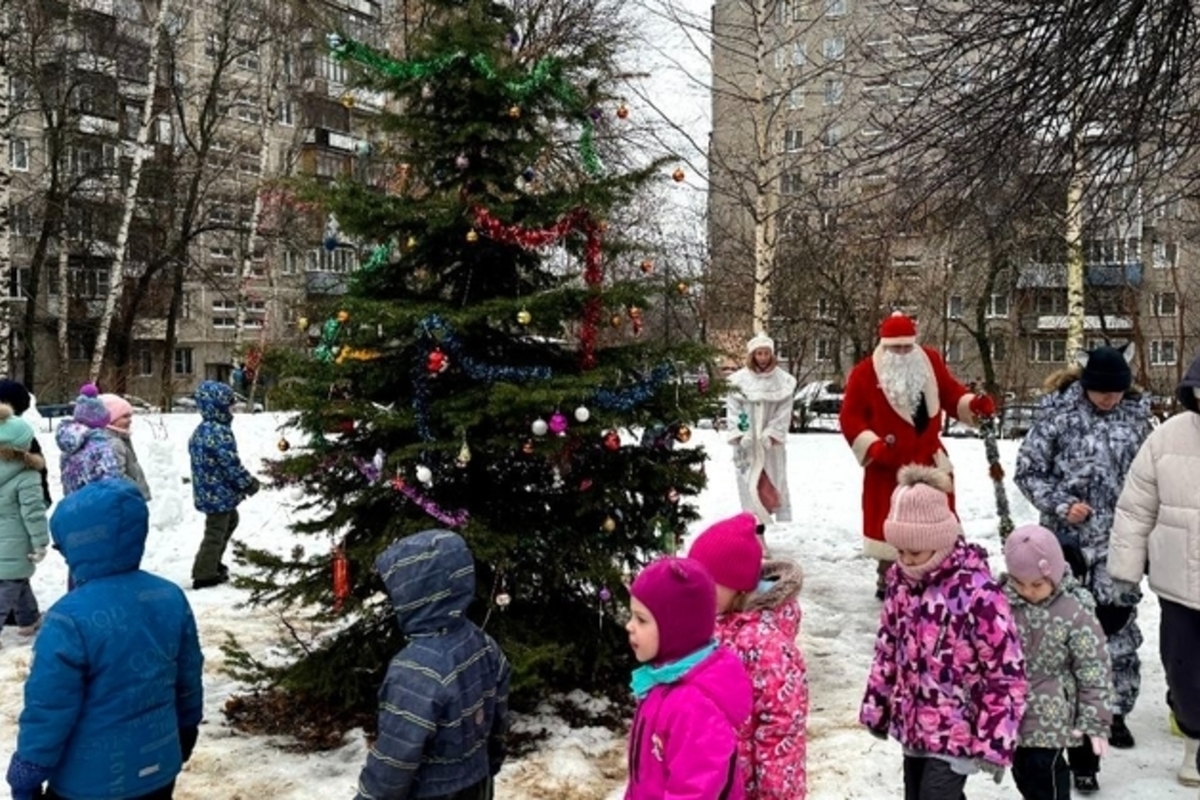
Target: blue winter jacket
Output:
[(443, 707), (219, 481), (117, 668)]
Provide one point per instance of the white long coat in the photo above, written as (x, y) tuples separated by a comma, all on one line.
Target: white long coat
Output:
[(758, 415)]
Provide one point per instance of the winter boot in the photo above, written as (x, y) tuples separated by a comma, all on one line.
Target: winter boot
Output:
[(1187, 774), (1086, 784), (1120, 737)]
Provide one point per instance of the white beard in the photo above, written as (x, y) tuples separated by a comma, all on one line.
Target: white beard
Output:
[(902, 377)]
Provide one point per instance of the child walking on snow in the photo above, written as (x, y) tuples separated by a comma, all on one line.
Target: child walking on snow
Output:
[(120, 414), (1066, 661), (86, 453), (23, 532), (758, 618), (692, 696), (948, 678)]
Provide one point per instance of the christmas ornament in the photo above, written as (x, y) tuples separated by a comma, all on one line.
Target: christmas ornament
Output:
[(472, 236), (609, 525), (635, 318), (512, 40), (464, 455), (362, 149), (615, 320), (427, 92), (558, 423), (437, 362), (462, 162), (678, 175), (672, 495), (524, 317), (302, 324), (330, 243), (411, 242), (683, 433), (647, 266), (622, 111), (743, 423), (702, 384), (348, 100), (503, 600), (595, 113), (539, 427), (284, 445), (514, 112), (681, 287), (343, 316), (582, 414), (633, 396), (528, 174), (605, 594), (527, 448), (612, 441), (341, 578), (297, 493), (585, 484), (424, 474)]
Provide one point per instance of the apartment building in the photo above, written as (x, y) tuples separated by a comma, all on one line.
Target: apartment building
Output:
[(244, 96), (805, 94)]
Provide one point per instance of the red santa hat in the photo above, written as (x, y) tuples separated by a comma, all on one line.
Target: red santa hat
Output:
[(898, 329)]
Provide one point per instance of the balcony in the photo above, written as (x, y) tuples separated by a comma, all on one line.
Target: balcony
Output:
[(1049, 323), (325, 283), (1096, 274)]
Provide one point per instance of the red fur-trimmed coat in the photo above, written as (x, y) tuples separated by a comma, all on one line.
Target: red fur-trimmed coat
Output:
[(867, 416), (772, 744)]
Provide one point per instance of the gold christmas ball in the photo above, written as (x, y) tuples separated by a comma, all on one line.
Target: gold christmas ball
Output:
[(343, 316), (284, 445), (647, 266), (681, 287), (514, 112), (678, 175), (302, 324), (609, 525), (615, 321), (524, 317), (348, 100), (472, 236), (622, 111), (683, 433), (411, 242)]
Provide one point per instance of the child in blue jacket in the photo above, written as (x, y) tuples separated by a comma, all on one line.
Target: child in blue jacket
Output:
[(115, 690), (219, 481)]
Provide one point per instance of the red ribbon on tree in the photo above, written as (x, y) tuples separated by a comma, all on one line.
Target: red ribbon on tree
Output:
[(341, 578), (578, 220)]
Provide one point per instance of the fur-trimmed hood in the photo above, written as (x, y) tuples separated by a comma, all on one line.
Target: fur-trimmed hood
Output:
[(786, 578), (1062, 379)]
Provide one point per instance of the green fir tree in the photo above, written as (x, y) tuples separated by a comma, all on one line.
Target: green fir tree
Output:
[(472, 378)]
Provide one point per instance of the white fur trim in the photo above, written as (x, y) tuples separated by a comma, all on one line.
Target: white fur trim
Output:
[(897, 340), (881, 551), (942, 461), (932, 396), (861, 444)]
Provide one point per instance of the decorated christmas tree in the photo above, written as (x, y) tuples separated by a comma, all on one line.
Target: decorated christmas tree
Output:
[(485, 372)]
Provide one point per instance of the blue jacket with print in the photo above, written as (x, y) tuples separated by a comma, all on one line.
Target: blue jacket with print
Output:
[(219, 481)]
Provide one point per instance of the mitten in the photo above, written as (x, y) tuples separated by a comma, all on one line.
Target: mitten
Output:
[(25, 778), (982, 406), (880, 453), (187, 741), (879, 733), (995, 770), (255, 485), (37, 555)]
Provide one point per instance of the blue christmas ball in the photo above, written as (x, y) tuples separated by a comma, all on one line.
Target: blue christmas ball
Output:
[(330, 243)]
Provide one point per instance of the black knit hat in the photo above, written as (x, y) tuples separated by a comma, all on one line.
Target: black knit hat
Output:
[(15, 394), (1106, 370)]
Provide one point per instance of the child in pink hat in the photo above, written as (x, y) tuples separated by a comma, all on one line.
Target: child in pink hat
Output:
[(758, 618), (692, 695), (1067, 664), (948, 678), (120, 414)]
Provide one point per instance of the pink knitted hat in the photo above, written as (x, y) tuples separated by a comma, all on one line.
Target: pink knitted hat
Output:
[(1032, 552), (920, 517), (681, 595), (731, 552), (119, 411)]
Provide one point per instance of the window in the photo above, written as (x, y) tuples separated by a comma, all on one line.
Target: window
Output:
[(789, 11), (1047, 304), (18, 89), (781, 58), (288, 68), (185, 306), (831, 180), (1162, 352), (287, 113), (834, 48), (145, 361), (954, 307), (19, 286), (835, 90), (998, 348), (906, 264), (291, 263), (224, 323), (80, 346), (248, 59), (162, 129), (1165, 255), (793, 139), (824, 308), (997, 307), (799, 54), (954, 351), (212, 45), (824, 349), (831, 137), (1165, 305), (1048, 351), (835, 8), (796, 98), (247, 112), (87, 282), (332, 71), (789, 183), (341, 260), (18, 154), (183, 361)]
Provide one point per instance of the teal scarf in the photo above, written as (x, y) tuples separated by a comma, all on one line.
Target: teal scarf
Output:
[(647, 677)]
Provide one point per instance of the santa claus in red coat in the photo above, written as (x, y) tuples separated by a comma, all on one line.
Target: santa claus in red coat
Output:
[(892, 416)]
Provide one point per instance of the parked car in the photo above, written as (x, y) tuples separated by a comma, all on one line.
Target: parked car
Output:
[(1016, 419), (818, 402), (241, 403), (183, 402)]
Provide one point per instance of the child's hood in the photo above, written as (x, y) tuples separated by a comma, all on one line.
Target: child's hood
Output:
[(780, 585), (213, 400), (430, 579), (722, 678), (71, 436)]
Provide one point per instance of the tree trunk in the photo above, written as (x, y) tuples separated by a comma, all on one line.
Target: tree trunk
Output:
[(168, 364), (117, 273), (6, 267), (766, 203), (64, 320), (1075, 265)]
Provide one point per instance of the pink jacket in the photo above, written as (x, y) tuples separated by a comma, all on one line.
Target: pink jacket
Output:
[(948, 676), (683, 744), (771, 745)]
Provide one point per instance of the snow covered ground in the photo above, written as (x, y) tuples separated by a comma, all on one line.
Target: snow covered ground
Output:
[(840, 616)]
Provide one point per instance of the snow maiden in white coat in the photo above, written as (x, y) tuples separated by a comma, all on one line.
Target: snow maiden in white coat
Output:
[(1157, 527), (758, 416)]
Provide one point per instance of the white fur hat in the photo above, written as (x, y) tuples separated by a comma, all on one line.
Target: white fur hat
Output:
[(760, 340)]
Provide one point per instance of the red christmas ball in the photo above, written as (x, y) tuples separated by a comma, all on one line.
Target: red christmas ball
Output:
[(437, 361), (612, 441)]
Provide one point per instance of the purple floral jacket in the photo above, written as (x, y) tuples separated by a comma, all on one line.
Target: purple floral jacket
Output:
[(948, 676)]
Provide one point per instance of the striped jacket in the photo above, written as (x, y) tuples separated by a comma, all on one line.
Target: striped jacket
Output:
[(443, 707)]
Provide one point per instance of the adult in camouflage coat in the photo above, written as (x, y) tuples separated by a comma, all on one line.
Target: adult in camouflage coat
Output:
[(1071, 467), (1066, 664)]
